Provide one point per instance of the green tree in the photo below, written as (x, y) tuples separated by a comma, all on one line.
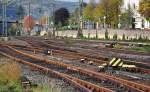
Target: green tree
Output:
[(20, 14), (62, 15), (98, 12), (88, 11), (74, 17), (144, 9), (110, 9), (126, 17)]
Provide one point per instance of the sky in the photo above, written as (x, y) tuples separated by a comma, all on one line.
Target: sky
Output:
[(75, 0)]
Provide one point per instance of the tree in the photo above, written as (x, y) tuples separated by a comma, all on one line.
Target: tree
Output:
[(20, 14), (29, 23), (126, 17), (110, 9), (12, 29), (43, 20), (144, 9), (74, 17), (61, 16), (88, 11)]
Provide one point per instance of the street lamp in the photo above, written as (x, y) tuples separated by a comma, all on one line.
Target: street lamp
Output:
[(104, 22), (119, 24), (100, 22)]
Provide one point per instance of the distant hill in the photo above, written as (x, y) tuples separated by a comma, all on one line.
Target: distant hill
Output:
[(40, 7)]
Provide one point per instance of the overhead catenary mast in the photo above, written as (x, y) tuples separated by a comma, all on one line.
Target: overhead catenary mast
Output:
[(5, 3), (80, 18), (4, 9)]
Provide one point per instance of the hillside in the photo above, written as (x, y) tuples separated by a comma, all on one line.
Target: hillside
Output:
[(40, 7)]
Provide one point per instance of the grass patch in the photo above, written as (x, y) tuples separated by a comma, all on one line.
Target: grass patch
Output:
[(141, 49), (9, 76), (45, 89), (69, 41)]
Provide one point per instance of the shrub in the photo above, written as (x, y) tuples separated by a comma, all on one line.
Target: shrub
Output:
[(123, 37), (106, 35), (127, 38), (96, 35), (140, 38), (115, 37), (9, 77), (88, 35), (45, 89), (69, 41)]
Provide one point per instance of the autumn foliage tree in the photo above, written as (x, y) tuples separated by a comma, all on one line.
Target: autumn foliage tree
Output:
[(144, 8), (88, 11), (43, 20), (109, 8), (28, 23)]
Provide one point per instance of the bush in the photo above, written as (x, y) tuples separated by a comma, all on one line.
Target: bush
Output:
[(96, 34), (45, 89), (123, 37), (115, 37), (140, 38), (69, 41), (9, 78), (106, 35), (88, 35)]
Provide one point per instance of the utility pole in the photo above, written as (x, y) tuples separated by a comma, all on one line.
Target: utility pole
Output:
[(53, 19), (80, 18), (29, 17), (3, 8), (4, 3)]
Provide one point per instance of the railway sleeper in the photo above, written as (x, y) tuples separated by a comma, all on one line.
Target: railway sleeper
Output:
[(25, 82), (87, 72)]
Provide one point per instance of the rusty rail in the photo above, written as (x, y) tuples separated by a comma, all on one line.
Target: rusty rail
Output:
[(137, 69), (99, 59), (132, 85), (80, 84)]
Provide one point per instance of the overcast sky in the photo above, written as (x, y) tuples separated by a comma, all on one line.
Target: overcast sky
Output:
[(75, 0)]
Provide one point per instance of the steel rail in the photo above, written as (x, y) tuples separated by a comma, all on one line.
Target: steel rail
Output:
[(82, 85), (117, 81), (73, 55)]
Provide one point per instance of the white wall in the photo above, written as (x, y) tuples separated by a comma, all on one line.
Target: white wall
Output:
[(101, 33)]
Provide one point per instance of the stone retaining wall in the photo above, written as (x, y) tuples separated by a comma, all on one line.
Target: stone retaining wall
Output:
[(101, 33)]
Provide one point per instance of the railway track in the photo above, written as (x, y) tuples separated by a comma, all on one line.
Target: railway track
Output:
[(64, 73), (76, 56), (61, 47), (111, 80), (72, 53), (85, 44), (132, 77)]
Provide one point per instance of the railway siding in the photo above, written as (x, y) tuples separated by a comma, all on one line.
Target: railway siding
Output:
[(98, 75)]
